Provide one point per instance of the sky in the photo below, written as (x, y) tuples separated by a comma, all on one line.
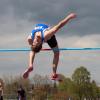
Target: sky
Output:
[(18, 18)]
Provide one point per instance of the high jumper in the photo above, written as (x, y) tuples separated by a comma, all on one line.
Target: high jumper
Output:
[(43, 33)]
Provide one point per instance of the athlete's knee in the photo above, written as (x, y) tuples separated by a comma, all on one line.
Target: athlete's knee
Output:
[(56, 53)]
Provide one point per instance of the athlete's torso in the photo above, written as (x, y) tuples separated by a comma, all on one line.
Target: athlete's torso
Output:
[(39, 31)]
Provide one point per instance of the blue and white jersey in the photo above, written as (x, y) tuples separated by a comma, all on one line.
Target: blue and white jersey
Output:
[(39, 28)]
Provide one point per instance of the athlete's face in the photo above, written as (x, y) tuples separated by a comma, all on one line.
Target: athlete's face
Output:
[(37, 41), (37, 44)]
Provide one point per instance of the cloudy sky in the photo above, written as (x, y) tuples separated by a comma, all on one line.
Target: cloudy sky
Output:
[(17, 19)]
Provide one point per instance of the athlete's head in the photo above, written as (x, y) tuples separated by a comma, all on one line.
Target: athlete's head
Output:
[(36, 48)]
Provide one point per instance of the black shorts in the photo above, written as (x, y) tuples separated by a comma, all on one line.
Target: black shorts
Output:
[(52, 42)]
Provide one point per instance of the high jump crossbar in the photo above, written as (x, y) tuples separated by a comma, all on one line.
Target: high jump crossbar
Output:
[(46, 49)]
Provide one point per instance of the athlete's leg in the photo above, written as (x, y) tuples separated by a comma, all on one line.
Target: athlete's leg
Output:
[(55, 76), (52, 42), (49, 33), (55, 59)]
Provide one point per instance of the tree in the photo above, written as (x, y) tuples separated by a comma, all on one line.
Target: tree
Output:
[(2, 83), (15, 82), (67, 86), (95, 90), (81, 78)]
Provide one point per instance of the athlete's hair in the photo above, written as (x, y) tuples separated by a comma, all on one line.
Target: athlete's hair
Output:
[(36, 48)]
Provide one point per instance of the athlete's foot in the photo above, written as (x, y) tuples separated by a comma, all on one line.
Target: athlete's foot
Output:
[(56, 77), (27, 71)]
